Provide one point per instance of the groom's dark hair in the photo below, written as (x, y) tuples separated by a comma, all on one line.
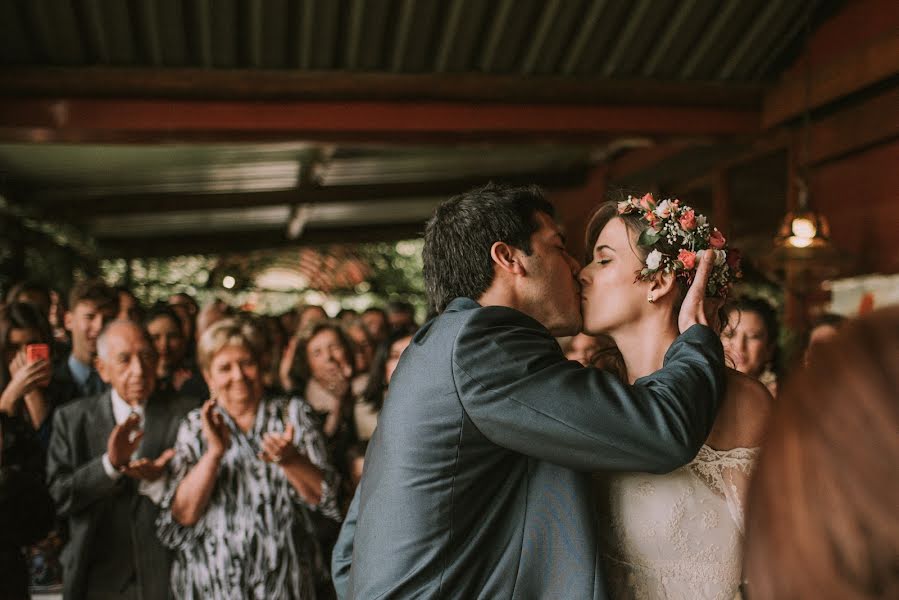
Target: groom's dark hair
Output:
[(459, 236)]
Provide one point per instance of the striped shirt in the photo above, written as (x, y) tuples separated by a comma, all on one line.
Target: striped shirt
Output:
[(256, 538)]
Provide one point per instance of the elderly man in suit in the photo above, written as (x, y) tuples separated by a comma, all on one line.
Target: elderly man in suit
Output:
[(106, 467), (476, 481)]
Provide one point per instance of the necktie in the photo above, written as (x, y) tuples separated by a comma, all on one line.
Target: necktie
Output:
[(94, 385)]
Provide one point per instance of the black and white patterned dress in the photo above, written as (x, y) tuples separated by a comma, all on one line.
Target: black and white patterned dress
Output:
[(255, 539)]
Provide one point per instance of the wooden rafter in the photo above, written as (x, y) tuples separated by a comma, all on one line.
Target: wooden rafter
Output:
[(101, 119), (332, 86), (217, 243)]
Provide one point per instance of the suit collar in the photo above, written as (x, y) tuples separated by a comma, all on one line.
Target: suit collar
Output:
[(460, 304)]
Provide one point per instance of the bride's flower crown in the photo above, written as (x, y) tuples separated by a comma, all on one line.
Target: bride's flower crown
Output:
[(677, 238)]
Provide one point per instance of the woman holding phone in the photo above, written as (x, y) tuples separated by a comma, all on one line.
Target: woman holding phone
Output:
[(25, 368)]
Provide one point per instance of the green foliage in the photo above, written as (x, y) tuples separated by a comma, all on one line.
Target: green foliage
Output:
[(394, 273)]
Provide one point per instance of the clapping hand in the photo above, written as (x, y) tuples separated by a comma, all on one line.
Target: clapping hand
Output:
[(336, 379), (123, 441), (215, 430), (147, 469), (278, 448), (180, 377)]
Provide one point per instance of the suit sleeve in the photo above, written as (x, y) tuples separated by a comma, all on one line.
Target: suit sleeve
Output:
[(73, 487), (342, 556), (521, 393)]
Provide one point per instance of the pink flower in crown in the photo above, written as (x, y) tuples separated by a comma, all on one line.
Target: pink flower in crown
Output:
[(687, 258), (624, 207), (717, 240), (688, 220), (647, 202), (651, 217)]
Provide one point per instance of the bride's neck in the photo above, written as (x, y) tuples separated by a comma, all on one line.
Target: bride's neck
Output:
[(643, 345)]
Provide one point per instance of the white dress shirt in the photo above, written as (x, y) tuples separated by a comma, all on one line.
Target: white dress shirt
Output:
[(121, 410)]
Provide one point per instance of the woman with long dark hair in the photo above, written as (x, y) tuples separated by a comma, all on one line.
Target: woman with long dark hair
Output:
[(24, 380)]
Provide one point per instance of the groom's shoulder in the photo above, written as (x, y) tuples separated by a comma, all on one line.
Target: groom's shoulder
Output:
[(465, 313), (502, 316)]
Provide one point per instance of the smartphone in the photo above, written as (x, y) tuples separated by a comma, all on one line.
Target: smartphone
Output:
[(36, 352)]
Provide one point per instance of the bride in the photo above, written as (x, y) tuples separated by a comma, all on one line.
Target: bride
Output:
[(677, 535)]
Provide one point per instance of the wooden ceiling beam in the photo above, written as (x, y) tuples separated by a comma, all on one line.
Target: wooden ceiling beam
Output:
[(225, 84), (856, 128), (86, 120), (63, 205), (639, 160), (160, 246), (854, 71)]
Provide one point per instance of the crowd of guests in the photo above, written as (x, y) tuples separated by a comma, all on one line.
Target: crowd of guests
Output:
[(201, 451), (212, 453)]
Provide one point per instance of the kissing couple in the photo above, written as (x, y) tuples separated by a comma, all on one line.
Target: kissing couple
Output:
[(479, 479)]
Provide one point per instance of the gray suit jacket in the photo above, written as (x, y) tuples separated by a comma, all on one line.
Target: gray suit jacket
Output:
[(477, 480), (112, 532)]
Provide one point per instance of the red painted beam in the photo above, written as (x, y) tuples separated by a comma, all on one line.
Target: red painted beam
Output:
[(84, 118)]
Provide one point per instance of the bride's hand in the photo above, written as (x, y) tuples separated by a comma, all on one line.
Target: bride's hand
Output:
[(697, 308)]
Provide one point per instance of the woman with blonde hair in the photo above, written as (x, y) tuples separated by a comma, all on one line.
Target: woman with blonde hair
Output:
[(247, 471), (822, 519)]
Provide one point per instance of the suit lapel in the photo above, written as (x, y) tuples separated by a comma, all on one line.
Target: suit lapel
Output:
[(100, 423)]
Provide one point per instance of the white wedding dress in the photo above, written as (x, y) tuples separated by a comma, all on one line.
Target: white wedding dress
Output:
[(679, 535)]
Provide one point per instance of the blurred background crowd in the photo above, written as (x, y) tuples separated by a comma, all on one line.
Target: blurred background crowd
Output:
[(138, 440)]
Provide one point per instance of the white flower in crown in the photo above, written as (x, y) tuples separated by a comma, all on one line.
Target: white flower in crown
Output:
[(654, 260), (701, 220), (663, 210)]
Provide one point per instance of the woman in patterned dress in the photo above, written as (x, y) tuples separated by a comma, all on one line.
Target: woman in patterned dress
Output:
[(246, 473), (674, 535)]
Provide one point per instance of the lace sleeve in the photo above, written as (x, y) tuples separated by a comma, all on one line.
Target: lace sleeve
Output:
[(727, 473)]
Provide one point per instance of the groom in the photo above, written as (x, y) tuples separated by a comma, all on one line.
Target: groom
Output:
[(477, 480)]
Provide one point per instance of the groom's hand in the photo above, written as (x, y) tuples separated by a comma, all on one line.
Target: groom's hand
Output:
[(697, 308)]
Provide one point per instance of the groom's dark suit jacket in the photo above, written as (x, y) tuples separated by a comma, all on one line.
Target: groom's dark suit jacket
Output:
[(112, 527), (477, 481)]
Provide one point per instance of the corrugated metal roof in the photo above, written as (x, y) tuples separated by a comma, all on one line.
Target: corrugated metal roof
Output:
[(621, 44), (726, 40)]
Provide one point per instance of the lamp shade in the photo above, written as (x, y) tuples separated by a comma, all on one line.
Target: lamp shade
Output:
[(803, 229)]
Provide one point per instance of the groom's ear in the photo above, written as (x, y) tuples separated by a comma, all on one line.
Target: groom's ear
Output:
[(662, 284), (506, 258)]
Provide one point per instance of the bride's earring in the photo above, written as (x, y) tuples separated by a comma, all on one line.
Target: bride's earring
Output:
[(650, 299)]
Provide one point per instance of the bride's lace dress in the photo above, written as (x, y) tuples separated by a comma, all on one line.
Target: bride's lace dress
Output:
[(677, 535)]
